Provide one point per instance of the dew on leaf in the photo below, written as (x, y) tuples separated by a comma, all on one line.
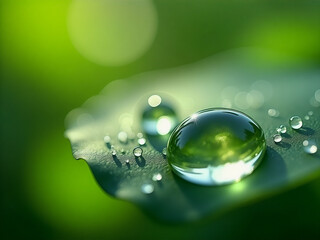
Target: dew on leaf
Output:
[(295, 122), (137, 151), (215, 147), (277, 138)]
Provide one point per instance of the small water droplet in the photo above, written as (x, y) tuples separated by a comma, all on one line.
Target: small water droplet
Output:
[(127, 161), (137, 151), (310, 146), (277, 138), (282, 129), (164, 151), (142, 141), (273, 112), (123, 137), (310, 113), (295, 122), (123, 151), (156, 177), (306, 117), (140, 135), (147, 188), (113, 151), (215, 147), (107, 139)]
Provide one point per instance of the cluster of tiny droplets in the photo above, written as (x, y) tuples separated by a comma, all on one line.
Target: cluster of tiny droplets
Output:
[(277, 138), (295, 123)]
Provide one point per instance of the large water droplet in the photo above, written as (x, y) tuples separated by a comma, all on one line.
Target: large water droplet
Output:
[(295, 122), (216, 146), (158, 121)]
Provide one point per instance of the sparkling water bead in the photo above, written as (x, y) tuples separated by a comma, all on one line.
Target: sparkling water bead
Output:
[(277, 138), (282, 129), (295, 122), (137, 151), (215, 147)]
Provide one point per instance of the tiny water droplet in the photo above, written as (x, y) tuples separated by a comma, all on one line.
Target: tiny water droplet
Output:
[(156, 177), (142, 141), (140, 135), (306, 117), (215, 147), (137, 151), (295, 122), (147, 188), (282, 129), (127, 161), (123, 151), (164, 151), (113, 151), (107, 139), (273, 112), (310, 146), (310, 113), (277, 138), (123, 137)]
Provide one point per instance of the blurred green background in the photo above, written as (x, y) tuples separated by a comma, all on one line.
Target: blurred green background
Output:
[(56, 54)]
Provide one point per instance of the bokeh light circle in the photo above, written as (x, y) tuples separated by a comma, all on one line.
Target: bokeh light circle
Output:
[(112, 32)]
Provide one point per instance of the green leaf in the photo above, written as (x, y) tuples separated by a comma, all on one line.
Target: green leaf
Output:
[(288, 89)]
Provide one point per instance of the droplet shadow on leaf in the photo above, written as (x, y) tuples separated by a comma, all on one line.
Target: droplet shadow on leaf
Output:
[(305, 131), (196, 194), (286, 135), (284, 145), (117, 161), (140, 161)]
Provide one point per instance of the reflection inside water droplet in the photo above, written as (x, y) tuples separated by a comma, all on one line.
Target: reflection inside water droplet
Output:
[(216, 146), (295, 122), (137, 151)]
